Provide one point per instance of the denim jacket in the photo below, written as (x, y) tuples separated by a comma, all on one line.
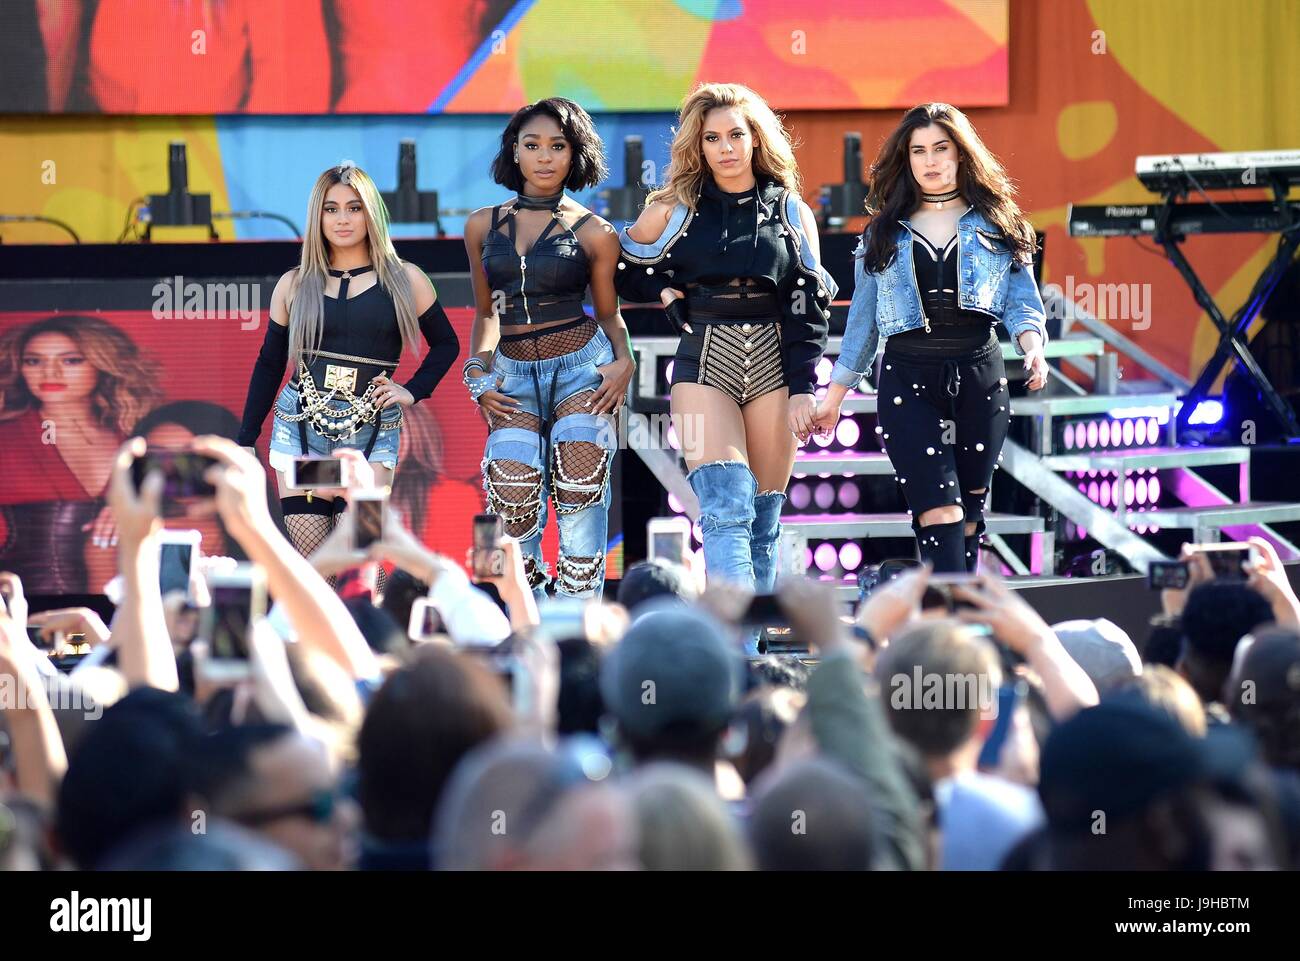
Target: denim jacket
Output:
[(887, 303)]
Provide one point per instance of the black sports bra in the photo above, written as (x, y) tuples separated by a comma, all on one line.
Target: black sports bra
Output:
[(547, 283)]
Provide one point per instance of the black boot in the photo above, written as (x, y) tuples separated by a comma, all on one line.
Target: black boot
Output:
[(944, 546), (972, 554)]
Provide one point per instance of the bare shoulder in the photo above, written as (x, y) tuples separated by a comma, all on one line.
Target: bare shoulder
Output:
[(421, 286), (650, 226), (476, 224), (599, 234)]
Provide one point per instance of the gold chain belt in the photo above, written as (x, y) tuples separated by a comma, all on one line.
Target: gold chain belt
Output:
[(331, 423)]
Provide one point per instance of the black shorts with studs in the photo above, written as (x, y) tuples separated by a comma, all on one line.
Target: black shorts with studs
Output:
[(736, 343)]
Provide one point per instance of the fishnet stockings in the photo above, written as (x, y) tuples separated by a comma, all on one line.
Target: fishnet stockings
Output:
[(544, 346), (307, 531)]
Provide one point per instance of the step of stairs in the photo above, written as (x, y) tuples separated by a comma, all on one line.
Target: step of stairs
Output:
[(1140, 458), (1064, 405), (896, 524), (821, 462)]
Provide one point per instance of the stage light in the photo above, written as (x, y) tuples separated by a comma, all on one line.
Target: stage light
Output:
[(1128, 433), (672, 438), (1153, 490), (807, 558), (696, 533), (1153, 431), (675, 505), (824, 495), (1207, 412), (1092, 433), (847, 432), (1094, 492), (668, 371), (800, 496), (823, 441), (824, 367), (1103, 434), (1128, 490), (1104, 499), (825, 557), (1083, 533), (1083, 489), (1068, 437), (849, 495), (850, 556), (1140, 432)]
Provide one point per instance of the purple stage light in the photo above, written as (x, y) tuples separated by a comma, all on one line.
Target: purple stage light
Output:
[(824, 495), (675, 505), (1068, 437), (847, 431), (825, 556), (1103, 434), (1141, 490), (1153, 430), (849, 495), (1153, 490), (1104, 499), (850, 556), (1092, 433), (1094, 493), (824, 367), (1140, 432), (800, 496)]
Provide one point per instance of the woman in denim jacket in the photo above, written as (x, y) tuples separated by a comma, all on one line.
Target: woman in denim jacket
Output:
[(731, 251), (946, 256)]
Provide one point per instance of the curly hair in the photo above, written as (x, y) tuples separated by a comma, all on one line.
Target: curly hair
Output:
[(893, 193), (773, 148), (126, 388), (588, 166)]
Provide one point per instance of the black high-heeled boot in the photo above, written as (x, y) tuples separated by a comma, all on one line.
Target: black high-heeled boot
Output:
[(944, 546)]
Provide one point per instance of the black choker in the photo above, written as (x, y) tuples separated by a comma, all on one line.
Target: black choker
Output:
[(940, 199), (350, 272), (549, 202)]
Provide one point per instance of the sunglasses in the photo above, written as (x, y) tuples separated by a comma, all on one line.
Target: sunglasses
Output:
[(319, 809)]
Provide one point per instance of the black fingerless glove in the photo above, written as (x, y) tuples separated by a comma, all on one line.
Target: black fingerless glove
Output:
[(679, 315)]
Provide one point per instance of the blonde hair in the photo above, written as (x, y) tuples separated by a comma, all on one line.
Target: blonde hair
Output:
[(773, 149), (307, 295)]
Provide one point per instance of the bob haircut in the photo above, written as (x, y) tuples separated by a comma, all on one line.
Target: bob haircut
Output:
[(586, 169)]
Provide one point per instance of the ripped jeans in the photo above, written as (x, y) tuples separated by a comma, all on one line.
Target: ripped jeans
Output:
[(553, 448)]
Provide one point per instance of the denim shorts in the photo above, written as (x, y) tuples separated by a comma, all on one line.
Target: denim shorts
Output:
[(539, 386), (286, 437)]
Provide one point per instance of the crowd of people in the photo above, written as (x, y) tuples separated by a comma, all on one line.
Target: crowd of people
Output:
[(581, 734)]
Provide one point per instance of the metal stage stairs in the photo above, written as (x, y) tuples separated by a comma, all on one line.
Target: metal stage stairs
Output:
[(1044, 467)]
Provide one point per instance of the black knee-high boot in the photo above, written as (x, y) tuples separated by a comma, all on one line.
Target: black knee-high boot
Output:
[(944, 546)]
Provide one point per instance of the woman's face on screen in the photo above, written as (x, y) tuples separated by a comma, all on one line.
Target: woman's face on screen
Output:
[(56, 370)]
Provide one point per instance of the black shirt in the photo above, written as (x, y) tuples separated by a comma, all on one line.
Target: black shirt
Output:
[(952, 330)]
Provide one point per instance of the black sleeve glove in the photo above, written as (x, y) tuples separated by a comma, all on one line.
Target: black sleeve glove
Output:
[(444, 348), (679, 314), (268, 371)]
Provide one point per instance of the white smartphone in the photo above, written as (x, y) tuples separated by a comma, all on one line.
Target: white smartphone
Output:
[(792, 550), (668, 538), (369, 511), (238, 602), (314, 473), (178, 556), (426, 622)]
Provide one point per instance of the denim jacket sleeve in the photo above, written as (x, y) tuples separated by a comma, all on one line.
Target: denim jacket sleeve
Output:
[(861, 336), (1024, 308)]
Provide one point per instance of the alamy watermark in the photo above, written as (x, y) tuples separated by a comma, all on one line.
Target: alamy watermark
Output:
[(1129, 303), (179, 299)]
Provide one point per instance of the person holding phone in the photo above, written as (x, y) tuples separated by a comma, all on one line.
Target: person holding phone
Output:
[(731, 251), (549, 379), (343, 316), (947, 255)]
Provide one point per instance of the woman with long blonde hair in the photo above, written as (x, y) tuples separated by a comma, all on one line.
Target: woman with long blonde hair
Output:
[(730, 249), (71, 387), (343, 317)]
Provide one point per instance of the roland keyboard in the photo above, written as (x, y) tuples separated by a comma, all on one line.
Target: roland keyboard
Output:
[(1138, 220), (1187, 172)]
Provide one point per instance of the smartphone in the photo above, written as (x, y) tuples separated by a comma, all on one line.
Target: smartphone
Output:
[(238, 602), (938, 592), (764, 610), (178, 555), (1010, 696), (369, 509), (426, 622), (1226, 559), (1167, 575), (182, 472), (668, 538), (314, 473), (487, 558), (34, 635)]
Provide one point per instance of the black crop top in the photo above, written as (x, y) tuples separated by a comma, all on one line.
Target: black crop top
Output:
[(742, 236), (360, 326), (547, 283), (952, 330)]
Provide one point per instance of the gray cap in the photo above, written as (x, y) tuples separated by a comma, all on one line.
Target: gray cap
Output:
[(674, 668), (1102, 649)]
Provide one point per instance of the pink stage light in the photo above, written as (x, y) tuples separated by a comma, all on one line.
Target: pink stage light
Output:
[(847, 432), (1083, 533), (1103, 434), (1092, 433), (821, 441), (675, 505), (1128, 490), (1140, 432), (850, 556), (1114, 492), (825, 557), (668, 371), (800, 496), (849, 495), (824, 495), (672, 438), (1153, 490), (824, 367), (1094, 494), (1069, 437), (1105, 495), (1128, 433), (1153, 430), (807, 558), (1141, 490)]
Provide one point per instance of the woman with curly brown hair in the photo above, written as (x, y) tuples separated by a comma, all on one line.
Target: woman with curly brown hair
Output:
[(946, 257), (71, 387)]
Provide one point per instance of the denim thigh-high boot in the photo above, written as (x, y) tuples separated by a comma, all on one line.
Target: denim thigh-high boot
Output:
[(726, 491), (766, 531)]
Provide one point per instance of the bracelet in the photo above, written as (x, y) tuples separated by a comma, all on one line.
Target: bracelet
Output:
[(478, 386), (474, 362)]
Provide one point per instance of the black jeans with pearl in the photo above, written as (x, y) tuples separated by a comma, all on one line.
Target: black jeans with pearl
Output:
[(942, 421)]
